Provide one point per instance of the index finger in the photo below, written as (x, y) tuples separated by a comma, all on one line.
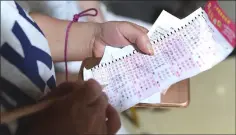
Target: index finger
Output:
[(140, 27)]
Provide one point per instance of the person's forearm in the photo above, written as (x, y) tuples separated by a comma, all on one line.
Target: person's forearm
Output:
[(92, 4), (80, 38)]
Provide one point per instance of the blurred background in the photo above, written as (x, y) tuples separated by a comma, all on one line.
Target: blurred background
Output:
[(212, 106)]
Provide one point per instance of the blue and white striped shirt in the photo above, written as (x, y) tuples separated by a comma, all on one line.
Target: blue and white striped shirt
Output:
[(27, 71)]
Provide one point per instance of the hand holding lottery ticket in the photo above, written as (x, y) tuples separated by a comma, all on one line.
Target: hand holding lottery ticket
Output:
[(120, 34), (193, 47)]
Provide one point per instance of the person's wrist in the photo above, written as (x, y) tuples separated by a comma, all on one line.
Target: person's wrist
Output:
[(96, 19), (96, 43), (81, 40)]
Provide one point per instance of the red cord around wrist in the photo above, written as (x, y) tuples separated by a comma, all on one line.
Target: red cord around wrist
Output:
[(75, 19)]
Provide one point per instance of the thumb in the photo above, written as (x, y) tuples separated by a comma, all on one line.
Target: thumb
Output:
[(136, 35)]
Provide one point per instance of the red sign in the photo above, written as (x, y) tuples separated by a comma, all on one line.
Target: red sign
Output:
[(221, 21)]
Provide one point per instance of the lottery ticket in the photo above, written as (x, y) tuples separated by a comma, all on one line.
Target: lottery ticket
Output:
[(195, 46), (163, 27)]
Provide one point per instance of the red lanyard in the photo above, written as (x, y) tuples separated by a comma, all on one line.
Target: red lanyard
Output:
[(75, 19)]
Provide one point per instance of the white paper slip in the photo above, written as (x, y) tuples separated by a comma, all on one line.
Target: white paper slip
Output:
[(182, 53), (163, 25)]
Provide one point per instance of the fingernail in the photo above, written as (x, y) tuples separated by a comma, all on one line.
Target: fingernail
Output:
[(150, 49)]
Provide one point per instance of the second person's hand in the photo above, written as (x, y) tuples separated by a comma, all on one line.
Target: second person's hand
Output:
[(83, 111)]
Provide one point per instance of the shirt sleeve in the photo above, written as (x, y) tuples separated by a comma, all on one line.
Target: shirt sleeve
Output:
[(26, 65)]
